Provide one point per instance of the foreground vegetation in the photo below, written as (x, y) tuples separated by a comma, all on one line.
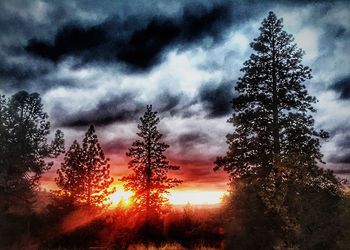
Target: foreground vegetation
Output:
[(60, 227), (120, 228)]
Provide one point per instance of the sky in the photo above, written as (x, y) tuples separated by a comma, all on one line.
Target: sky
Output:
[(101, 62)]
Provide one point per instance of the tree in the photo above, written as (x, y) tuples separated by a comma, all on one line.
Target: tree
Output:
[(149, 180), (271, 110), (24, 128), (84, 176), (275, 149)]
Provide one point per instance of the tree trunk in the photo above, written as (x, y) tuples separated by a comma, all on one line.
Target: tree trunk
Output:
[(89, 184), (275, 124), (148, 180)]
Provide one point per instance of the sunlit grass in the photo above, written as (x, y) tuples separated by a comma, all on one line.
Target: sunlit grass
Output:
[(172, 246), (168, 246)]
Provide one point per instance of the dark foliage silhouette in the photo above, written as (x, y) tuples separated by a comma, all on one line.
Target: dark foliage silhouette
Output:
[(271, 111), (274, 152), (149, 180), (24, 147), (84, 175)]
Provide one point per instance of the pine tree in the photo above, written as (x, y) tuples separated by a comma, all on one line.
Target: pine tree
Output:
[(24, 148), (84, 175), (71, 174), (272, 109), (274, 151), (149, 180)]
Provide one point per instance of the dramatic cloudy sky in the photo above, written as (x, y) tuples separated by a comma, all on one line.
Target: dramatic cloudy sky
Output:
[(101, 62)]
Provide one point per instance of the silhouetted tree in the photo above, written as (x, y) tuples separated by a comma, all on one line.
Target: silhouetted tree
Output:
[(275, 148), (24, 128), (271, 117), (149, 180), (84, 175)]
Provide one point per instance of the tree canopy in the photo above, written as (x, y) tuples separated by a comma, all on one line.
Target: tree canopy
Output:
[(272, 108), (24, 147), (84, 175)]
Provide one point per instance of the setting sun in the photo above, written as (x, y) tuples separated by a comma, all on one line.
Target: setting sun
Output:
[(120, 197), (175, 197)]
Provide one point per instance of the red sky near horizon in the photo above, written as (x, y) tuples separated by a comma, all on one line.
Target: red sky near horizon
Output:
[(194, 151), (197, 176)]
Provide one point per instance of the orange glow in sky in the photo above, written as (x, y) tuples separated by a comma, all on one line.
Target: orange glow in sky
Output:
[(120, 197), (194, 197), (176, 197)]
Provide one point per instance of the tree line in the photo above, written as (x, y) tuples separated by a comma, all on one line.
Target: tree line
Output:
[(280, 197), (84, 175)]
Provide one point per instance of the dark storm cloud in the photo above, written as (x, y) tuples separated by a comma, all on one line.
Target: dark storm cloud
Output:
[(136, 41), (167, 102), (342, 87), (216, 99), (341, 128), (173, 104), (342, 143), (138, 35), (341, 158), (119, 108), (186, 147), (335, 31), (188, 140), (20, 20), (20, 72), (343, 149)]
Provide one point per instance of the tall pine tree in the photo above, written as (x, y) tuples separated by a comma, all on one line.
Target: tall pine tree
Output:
[(271, 117), (149, 180), (274, 151), (84, 175)]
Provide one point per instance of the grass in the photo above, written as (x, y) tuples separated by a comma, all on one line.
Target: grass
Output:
[(169, 246)]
